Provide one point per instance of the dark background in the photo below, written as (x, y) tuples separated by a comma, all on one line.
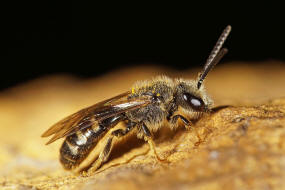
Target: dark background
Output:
[(88, 40)]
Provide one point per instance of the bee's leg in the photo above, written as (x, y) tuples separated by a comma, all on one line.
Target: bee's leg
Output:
[(103, 156), (150, 141), (105, 153), (186, 122)]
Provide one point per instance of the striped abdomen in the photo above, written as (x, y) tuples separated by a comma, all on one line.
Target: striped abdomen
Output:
[(76, 147)]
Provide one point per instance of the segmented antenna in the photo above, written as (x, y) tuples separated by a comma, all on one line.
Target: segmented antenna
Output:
[(215, 56)]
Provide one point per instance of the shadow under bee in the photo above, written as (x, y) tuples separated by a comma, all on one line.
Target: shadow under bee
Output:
[(124, 146)]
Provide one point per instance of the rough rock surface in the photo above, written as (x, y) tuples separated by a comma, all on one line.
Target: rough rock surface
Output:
[(241, 145)]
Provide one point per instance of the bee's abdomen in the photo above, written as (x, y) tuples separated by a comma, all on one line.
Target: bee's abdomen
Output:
[(76, 147)]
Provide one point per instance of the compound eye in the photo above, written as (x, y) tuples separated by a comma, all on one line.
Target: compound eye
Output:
[(194, 102)]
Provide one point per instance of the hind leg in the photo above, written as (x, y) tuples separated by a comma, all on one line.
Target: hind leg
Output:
[(105, 153)]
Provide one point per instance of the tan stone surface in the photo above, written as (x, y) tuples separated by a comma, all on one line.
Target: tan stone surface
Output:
[(241, 146)]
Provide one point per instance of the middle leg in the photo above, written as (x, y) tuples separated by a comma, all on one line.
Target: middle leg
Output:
[(148, 138)]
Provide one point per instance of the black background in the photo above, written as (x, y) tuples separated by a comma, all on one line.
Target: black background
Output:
[(88, 40)]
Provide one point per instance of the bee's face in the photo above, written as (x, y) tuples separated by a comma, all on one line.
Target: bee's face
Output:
[(190, 98)]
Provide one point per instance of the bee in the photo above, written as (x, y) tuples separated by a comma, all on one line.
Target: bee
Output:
[(144, 109)]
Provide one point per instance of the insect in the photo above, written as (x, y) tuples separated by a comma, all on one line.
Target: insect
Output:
[(147, 107)]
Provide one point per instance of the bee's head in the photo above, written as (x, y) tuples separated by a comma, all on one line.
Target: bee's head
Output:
[(191, 95), (190, 98)]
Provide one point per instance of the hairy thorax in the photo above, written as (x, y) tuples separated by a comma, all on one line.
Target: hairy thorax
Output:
[(154, 114)]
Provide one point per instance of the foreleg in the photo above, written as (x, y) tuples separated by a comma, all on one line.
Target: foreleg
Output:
[(174, 119)]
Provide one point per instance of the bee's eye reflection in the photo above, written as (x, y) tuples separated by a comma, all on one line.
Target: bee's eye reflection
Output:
[(194, 102)]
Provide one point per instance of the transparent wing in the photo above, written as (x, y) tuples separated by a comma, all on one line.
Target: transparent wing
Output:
[(90, 115)]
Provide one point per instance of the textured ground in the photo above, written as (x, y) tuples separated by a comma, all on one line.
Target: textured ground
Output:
[(240, 146)]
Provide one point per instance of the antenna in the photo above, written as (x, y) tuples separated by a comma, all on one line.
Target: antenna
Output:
[(215, 56)]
